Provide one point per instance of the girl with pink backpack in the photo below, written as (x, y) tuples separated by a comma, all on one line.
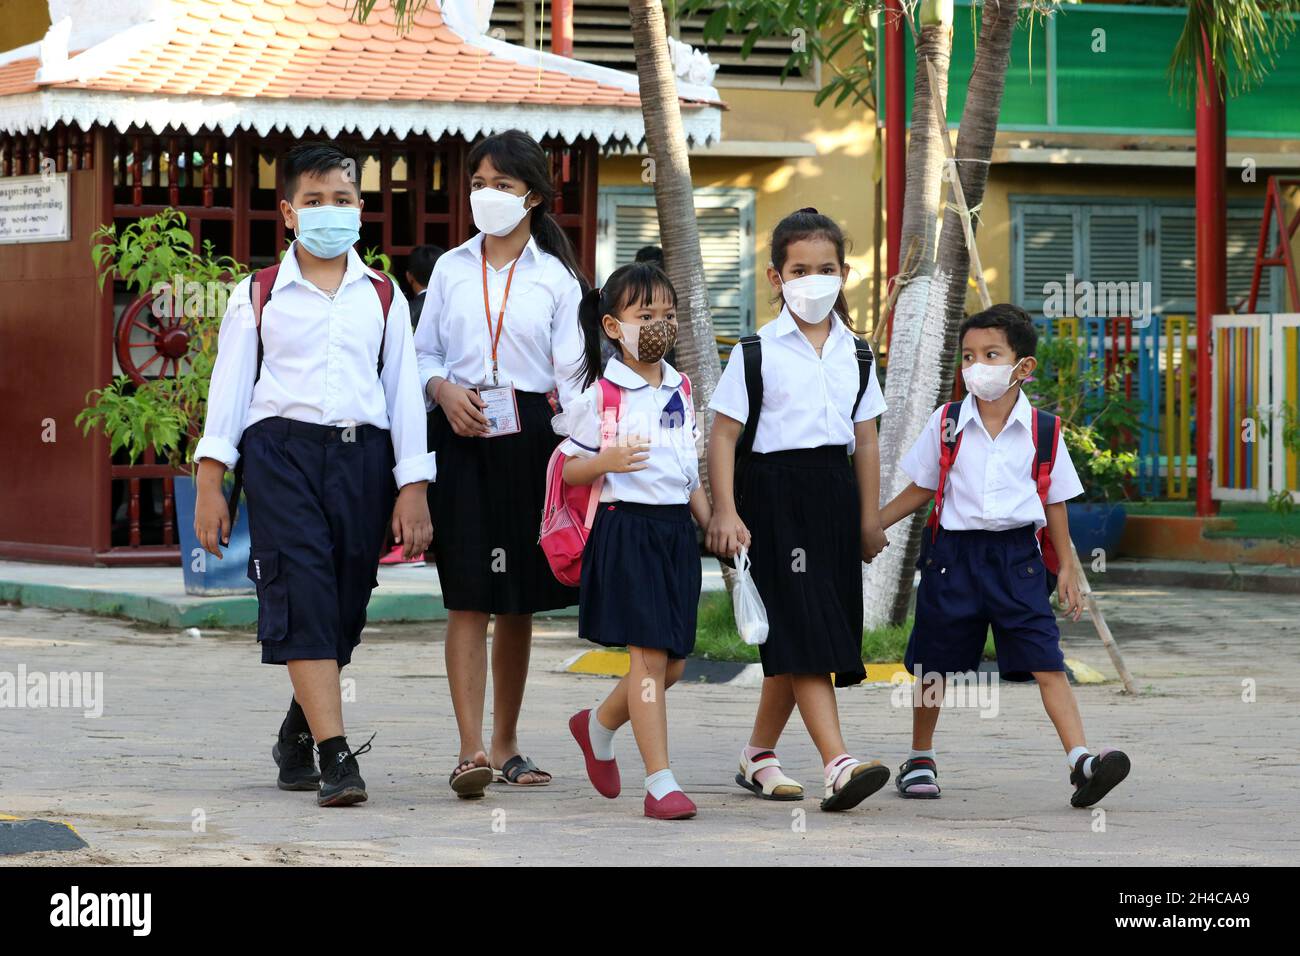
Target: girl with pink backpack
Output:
[(634, 441)]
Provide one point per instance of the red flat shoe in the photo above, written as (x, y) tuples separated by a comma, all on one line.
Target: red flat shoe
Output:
[(674, 806), (603, 774)]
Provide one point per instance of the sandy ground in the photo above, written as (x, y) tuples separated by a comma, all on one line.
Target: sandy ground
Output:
[(177, 769)]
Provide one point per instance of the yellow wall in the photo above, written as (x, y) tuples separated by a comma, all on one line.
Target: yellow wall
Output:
[(22, 22), (837, 181)]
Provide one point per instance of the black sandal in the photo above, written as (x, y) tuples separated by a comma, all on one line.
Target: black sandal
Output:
[(905, 787), (469, 780), (516, 767), (864, 780), (1111, 767)]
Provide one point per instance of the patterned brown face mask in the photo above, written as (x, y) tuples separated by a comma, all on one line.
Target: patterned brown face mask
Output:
[(650, 341)]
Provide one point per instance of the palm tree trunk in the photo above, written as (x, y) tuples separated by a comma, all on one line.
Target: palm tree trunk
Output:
[(975, 137), (913, 373), (697, 350)]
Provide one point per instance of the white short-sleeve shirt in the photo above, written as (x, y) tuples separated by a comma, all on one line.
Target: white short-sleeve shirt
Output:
[(663, 416), (541, 344), (807, 399), (990, 484)]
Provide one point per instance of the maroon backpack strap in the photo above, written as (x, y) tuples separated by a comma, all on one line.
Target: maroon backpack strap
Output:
[(259, 293), (384, 289), (947, 455), (1045, 423)]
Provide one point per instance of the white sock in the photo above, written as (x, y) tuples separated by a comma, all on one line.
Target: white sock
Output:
[(602, 739), (1073, 759), (660, 784), (921, 773)]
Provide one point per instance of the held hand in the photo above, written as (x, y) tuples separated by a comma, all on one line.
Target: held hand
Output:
[(462, 407), (726, 534), (211, 519), (873, 541), (411, 525), (1068, 594), (621, 459)]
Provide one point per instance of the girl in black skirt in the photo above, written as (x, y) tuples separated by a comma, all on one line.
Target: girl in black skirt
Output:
[(806, 504), (641, 566), (498, 332)]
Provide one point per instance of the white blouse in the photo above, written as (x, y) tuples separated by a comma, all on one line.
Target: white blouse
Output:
[(807, 399), (665, 422), (541, 342)]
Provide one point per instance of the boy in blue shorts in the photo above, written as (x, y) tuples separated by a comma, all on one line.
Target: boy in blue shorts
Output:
[(999, 474)]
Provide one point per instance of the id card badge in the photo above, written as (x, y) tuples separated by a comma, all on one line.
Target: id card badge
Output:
[(501, 409)]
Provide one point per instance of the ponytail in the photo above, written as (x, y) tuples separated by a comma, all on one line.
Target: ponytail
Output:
[(554, 240), (590, 315)]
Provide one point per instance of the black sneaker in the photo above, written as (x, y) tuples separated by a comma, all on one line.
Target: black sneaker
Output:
[(296, 757), (341, 784)]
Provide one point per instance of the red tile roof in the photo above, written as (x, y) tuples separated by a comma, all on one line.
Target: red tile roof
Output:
[(314, 49)]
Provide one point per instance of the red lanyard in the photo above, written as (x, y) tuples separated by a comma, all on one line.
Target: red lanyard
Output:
[(487, 308)]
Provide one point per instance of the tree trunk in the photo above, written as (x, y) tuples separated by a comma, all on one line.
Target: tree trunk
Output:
[(975, 137), (912, 376), (670, 172)]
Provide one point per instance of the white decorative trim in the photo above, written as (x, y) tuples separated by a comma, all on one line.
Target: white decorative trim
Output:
[(609, 126)]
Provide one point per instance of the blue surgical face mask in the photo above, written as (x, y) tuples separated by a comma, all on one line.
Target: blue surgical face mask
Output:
[(328, 231)]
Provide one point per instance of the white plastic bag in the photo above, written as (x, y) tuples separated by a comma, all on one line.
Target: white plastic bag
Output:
[(751, 616)]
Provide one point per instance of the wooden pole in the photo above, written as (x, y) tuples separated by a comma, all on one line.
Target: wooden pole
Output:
[(959, 197)]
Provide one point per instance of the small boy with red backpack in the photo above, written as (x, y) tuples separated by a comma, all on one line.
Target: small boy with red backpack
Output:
[(633, 440), (999, 474)]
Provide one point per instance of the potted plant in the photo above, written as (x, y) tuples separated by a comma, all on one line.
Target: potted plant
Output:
[(1099, 423), (185, 292)]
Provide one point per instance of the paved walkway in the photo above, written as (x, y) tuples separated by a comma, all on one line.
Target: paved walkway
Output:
[(187, 726)]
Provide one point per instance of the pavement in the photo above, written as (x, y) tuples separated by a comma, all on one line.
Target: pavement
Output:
[(177, 768)]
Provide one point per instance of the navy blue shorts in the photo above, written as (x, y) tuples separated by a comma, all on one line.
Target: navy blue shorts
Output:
[(974, 580), (641, 578), (319, 502)]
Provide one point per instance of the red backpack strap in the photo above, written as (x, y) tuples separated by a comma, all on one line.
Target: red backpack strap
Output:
[(947, 455), (609, 406), (259, 293), (686, 384), (1044, 424)]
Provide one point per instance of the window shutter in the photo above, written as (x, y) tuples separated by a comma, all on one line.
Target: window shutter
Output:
[(1243, 242), (1176, 261), (1115, 245), (1047, 253)]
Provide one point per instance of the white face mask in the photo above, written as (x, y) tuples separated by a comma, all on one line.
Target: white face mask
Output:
[(988, 382), (496, 212), (811, 298)]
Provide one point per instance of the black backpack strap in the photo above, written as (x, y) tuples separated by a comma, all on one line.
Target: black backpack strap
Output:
[(865, 358), (751, 347), (259, 294)]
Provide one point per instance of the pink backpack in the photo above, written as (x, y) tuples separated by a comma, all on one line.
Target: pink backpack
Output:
[(569, 510)]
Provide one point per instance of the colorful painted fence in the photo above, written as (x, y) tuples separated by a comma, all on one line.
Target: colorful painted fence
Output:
[(1256, 402), (1161, 383)]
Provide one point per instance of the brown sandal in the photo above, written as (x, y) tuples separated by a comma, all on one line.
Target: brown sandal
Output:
[(469, 780)]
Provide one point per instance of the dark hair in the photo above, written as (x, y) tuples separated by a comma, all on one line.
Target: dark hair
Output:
[(808, 223), (1014, 322), (318, 158), (632, 284), (650, 254), (420, 262), (519, 156)]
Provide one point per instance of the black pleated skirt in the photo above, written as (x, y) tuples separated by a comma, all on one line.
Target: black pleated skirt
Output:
[(803, 513), (641, 578), (487, 507)]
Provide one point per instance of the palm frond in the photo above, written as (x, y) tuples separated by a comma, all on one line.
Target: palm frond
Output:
[(405, 12), (1246, 35)]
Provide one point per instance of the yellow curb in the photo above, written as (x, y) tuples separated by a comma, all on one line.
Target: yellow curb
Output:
[(603, 663), (5, 816), (1083, 674), (888, 674)]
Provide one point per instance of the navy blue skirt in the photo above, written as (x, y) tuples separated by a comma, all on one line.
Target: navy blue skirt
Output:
[(641, 578)]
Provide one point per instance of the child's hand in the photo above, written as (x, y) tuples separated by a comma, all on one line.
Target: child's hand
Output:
[(463, 410), (1068, 594), (873, 541), (624, 458), (211, 518), (726, 534), (412, 527)]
